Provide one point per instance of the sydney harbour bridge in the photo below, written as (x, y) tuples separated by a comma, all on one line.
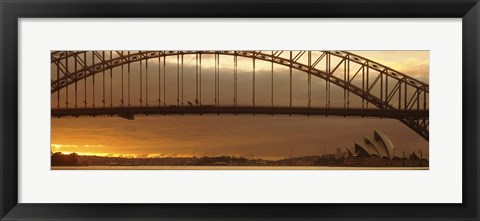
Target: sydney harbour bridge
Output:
[(290, 83)]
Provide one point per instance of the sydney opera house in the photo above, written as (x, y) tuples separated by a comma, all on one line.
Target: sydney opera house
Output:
[(379, 151)]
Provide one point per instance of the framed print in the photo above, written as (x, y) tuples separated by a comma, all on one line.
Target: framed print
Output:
[(239, 110)]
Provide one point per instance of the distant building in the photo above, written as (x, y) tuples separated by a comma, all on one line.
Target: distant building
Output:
[(379, 152), (339, 154), (218, 163), (380, 146)]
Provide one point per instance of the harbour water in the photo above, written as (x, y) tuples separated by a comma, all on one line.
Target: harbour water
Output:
[(230, 168)]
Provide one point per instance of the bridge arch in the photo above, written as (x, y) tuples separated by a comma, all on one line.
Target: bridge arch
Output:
[(60, 58)]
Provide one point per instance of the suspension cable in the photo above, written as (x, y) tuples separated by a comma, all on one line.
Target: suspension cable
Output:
[(164, 80), (76, 77), (146, 81), (141, 91), (272, 80), (327, 69), (309, 78), (196, 79), (58, 79), (178, 80), (159, 80), (182, 78), (121, 101), (66, 91), (215, 74), (253, 73), (93, 81), (103, 80), (345, 80), (235, 61), (128, 71), (111, 83), (290, 78), (85, 81), (200, 82), (348, 78)]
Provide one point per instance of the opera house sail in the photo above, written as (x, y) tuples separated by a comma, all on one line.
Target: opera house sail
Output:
[(379, 151)]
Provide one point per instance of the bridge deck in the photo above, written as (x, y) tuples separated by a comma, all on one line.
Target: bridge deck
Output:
[(130, 112)]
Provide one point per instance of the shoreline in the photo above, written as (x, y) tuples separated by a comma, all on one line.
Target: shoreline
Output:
[(230, 168)]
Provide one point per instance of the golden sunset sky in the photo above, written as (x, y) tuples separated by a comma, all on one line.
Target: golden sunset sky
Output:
[(268, 137)]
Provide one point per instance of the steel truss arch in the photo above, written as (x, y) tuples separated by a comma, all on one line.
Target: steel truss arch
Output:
[(419, 125)]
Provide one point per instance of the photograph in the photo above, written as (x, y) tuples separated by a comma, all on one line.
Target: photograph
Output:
[(240, 110)]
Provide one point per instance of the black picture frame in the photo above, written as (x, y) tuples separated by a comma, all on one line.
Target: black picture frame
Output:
[(12, 10)]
